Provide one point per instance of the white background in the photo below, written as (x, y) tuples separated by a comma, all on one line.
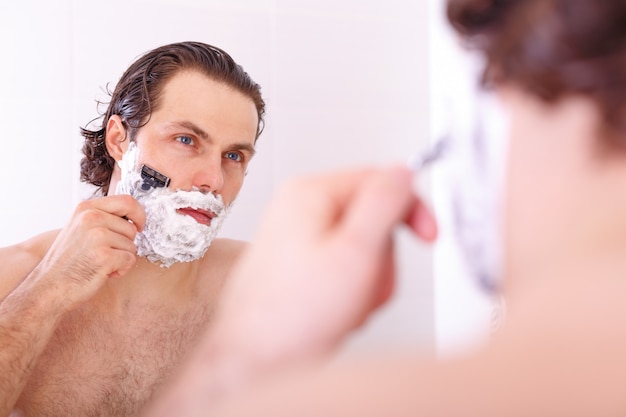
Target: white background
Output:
[(346, 83)]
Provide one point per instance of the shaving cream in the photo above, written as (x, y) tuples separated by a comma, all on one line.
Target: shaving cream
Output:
[(168, 236)]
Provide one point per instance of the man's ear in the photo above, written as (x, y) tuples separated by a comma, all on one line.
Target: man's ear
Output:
[(116, 140)]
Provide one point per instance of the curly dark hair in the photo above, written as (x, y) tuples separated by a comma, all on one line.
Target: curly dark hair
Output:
[(137, 94), (551, 48)]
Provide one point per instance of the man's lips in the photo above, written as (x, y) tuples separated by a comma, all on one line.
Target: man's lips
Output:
[(199, 215)]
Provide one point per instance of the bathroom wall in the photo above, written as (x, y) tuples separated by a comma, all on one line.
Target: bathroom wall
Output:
[(346, 83)]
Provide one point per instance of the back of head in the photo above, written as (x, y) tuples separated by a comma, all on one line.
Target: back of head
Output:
[(551, 48), (136, 97)]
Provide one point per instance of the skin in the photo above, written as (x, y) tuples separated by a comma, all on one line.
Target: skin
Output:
[(82, 313), (560, 351), (211, 147)]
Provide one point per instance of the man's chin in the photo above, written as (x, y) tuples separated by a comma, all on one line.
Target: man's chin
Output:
[(187, 244), (169, 259)]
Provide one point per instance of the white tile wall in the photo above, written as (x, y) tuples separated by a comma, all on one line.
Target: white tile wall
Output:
[(35, 117), (346, 83)]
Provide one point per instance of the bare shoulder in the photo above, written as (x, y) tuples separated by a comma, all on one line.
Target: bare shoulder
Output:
[(225, 251), (219, 261), (16, 261), (230, 245)]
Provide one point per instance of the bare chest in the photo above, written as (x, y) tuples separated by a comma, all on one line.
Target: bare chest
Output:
[(99, 367)]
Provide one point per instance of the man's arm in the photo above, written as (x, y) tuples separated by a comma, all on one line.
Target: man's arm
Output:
[(28, 317), (96, 244), (320, 265), (317, 268), (561, 353)]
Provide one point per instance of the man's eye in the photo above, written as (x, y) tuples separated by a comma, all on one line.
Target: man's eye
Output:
[(185, 140), (234, 156)]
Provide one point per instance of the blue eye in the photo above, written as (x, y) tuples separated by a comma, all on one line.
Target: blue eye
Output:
[(234, 156), (185, 140)]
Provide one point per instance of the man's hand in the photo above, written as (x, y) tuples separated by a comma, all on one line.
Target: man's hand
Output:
[(95, 245), (322, 261)]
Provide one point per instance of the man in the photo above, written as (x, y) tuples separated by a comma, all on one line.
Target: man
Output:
[(94, 317), (322, 257)]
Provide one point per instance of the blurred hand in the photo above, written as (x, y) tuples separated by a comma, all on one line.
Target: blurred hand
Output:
[(96, 244), (321, 263)]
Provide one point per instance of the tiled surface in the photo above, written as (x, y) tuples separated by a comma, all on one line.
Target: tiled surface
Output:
[(34, 118), (36, 173), (346, 83), (356, 9)]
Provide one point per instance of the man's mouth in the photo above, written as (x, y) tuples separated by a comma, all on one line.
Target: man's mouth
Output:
[(199, 215)]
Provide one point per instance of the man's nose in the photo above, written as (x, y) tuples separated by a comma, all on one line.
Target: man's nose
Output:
[(209, 177)]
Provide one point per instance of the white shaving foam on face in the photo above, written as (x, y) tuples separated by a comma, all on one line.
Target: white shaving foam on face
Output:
[(168, 236)]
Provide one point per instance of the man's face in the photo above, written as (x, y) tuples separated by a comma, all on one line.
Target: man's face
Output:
[(201, 137)]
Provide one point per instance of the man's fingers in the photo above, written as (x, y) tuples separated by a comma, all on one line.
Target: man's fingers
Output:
[(123, 206), (321, 199), (121, 242), (375, 198), (122, 227), (124, 262), (381, 202), (127, 207), (422, 221)]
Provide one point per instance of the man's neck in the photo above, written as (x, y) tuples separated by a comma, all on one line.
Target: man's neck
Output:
[(150, 284)]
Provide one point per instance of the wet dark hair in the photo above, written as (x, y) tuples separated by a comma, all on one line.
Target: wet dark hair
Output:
[(551, 48), (137, 95)]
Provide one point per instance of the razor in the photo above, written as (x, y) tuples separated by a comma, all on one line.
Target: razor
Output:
[(153, 178)]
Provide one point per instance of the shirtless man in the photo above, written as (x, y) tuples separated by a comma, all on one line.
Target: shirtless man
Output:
[(94, 317)]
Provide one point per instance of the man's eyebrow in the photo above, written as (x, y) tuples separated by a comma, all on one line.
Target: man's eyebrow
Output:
[(185, 124), (191, 126), (244, 147)]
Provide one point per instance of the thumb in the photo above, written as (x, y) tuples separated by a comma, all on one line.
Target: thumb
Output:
[(381, 202)]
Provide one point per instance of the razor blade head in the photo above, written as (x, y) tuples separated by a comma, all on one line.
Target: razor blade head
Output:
[(153, 178)]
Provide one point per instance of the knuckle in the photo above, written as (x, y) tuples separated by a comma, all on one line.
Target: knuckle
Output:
[(98, 235), (101, 255), (125, 199), (130, 259), (84, 206), (125, 263), (91, 216)]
